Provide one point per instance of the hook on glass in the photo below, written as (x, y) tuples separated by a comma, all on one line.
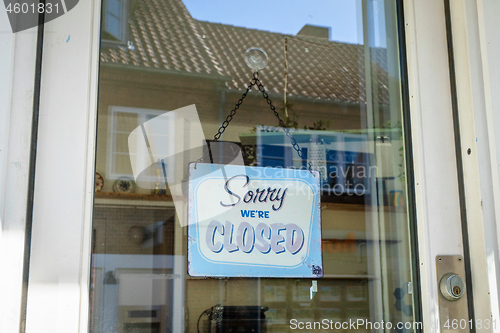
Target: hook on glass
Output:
[(256, 58)]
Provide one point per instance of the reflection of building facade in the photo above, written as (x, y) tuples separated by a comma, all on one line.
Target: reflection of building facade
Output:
[(203, 64)]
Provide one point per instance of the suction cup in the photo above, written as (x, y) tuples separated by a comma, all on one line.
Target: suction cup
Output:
[(256, 58)]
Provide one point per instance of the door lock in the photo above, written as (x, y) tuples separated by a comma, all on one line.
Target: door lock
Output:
[(452, 287), (450, 278)]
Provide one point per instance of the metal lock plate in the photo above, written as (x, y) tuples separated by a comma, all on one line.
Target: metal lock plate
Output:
[(452, 293)]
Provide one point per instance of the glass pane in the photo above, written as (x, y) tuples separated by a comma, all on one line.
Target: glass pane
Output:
[(121, 143), (334, 78), (114, 26), (115, 7), (126, 122)]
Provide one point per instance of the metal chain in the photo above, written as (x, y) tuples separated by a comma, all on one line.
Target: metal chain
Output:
[(256, 82), (226, 122), (295, 145)]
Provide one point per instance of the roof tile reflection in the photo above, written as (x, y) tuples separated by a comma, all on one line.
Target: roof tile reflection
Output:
[(165, 37)]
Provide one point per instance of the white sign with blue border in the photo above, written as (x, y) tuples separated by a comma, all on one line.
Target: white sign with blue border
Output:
[(253, 222)]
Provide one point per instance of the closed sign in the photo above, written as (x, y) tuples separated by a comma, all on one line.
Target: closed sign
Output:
[(253, 222)]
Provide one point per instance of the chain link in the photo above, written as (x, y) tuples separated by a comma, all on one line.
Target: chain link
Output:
[(256, 82), (226, 122)]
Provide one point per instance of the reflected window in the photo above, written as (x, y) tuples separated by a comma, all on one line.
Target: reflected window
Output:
[(115, 14), (122, 121)]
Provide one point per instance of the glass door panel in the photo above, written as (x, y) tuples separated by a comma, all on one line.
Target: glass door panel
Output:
[(334, 76)]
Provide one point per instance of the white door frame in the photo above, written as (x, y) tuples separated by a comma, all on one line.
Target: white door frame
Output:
[(433, 141), (474, 28), (62, 223), (58, 291), (17, 90)]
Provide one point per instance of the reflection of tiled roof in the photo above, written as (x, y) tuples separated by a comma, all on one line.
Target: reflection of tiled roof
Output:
[(165, 36)]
